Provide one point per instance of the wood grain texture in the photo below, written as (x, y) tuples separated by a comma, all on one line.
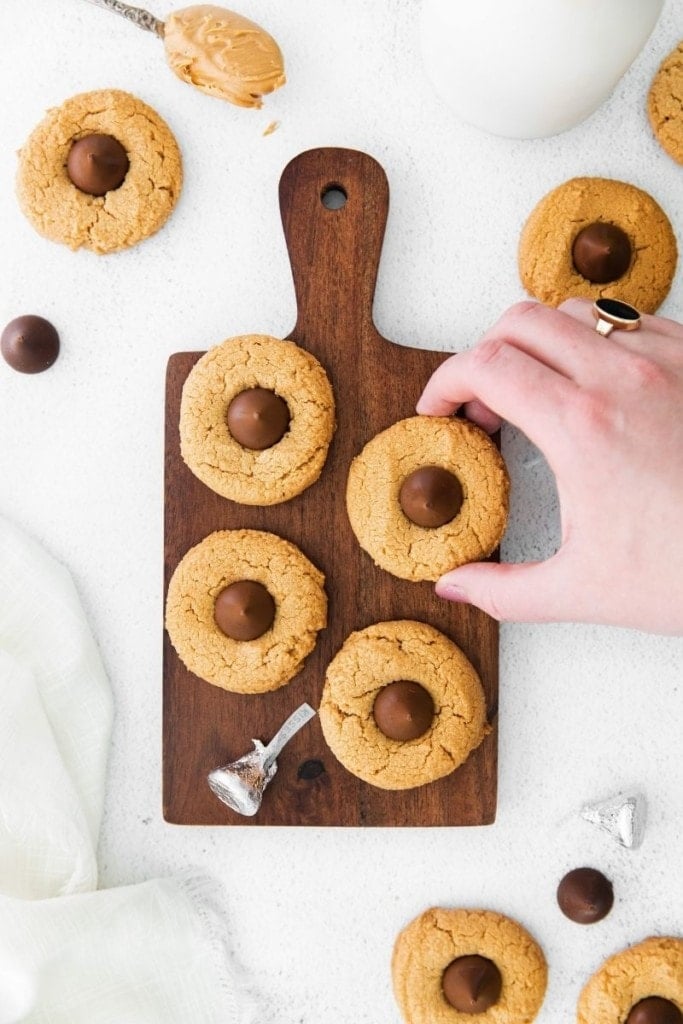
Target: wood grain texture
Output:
[(334, 256)]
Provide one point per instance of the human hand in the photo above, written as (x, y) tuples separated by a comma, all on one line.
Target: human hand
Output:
[(608, 415)]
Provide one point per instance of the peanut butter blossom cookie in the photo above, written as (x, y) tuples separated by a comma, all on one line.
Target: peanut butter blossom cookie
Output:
[(664, 104), (244, 609), (426, 495), (596, 237), (402, 705), (256, 419), (451, 965), (101, 172), (639, 985)]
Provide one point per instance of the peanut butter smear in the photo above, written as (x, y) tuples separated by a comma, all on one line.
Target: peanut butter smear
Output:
[(223, 54)]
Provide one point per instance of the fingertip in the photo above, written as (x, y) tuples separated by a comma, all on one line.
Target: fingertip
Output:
[(440, 394), (450, 591), (482, 416), (516, 592), (432, 406)]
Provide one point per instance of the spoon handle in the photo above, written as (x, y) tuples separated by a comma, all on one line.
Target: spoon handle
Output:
[(139, 17)]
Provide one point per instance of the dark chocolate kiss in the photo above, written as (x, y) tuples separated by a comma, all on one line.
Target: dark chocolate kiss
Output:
[(431, 496), (471, 984), (257, 418), (244, 610), (601, 252), (585, 895), (655, 1010), (403, 710), (97, 164), (29, 344)]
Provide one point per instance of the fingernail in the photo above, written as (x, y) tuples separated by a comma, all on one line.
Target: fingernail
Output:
[(450, 592)]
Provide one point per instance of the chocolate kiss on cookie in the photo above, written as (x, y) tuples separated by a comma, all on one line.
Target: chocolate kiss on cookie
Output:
[(471, 984), (601, 252), (655, 1010), (244, 610), (257, 418), (431, 496), (403, 710), (97, 164)]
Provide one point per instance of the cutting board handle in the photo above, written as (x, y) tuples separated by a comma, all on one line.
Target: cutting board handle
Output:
[(334, 249)]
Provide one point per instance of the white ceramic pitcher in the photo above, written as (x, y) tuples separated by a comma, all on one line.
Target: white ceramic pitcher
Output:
[(529, 68)]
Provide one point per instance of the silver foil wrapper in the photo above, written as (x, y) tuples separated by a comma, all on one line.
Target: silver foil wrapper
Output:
[(242, 783), (138, 16), (621, 816)]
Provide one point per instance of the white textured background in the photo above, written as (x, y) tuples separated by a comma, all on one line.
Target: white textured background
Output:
[(584, 711)]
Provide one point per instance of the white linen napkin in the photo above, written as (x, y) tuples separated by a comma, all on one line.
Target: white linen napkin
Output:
[(153, 953)]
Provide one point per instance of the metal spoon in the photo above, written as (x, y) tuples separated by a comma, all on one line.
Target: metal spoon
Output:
[(139, 17)]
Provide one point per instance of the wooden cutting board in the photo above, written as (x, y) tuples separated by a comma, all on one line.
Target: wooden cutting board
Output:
[(334, 254)]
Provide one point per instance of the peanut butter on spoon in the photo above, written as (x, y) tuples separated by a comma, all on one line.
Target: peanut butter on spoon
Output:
[(214, 49), (223, 54)]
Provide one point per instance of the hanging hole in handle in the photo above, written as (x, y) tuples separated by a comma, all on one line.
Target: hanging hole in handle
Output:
[(333, 197)]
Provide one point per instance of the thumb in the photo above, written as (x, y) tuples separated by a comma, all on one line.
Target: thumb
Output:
[(530, 592)]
